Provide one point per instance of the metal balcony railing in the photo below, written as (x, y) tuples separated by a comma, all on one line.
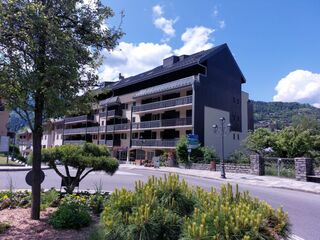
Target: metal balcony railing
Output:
[(111, 143), (74, 131), (165, 123), (77, 142), (154, 142), (163, 104), (82, 118), (111, 113)]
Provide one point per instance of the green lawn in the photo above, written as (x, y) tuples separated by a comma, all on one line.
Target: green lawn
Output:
[(3, 161)]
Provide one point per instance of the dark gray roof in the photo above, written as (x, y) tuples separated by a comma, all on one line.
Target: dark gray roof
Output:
[(184, 62), (110, 101), (165, 87)]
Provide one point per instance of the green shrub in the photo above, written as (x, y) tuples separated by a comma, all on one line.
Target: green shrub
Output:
[(169, 209), (239, 157), (70, 215), (4, 226)]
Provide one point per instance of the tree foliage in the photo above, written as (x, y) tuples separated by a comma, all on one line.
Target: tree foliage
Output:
[(49, 53), (85, 158), (259, 140)]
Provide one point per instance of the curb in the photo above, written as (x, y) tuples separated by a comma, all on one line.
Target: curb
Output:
[(228, 180), (16, 169)]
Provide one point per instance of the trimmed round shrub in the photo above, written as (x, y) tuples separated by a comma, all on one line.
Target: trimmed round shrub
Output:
[(70, 215), (168, 209)]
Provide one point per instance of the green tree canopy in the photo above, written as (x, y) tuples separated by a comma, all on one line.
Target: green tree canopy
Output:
[(259, 140), (85, 158), (49, 53)]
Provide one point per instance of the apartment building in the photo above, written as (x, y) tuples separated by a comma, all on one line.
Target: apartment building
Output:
[(146, 114)]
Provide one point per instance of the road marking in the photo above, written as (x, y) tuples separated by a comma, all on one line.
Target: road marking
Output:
[(295, 237), (117, 173)]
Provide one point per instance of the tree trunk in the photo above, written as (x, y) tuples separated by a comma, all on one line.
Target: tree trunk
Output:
[(36, 164)]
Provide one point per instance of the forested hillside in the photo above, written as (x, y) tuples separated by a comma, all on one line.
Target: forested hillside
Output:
[(280, 114)]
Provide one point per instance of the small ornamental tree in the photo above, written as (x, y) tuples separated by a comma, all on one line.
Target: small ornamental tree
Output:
[(85, 158)]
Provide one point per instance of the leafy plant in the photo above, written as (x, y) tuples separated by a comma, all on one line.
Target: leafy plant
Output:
[(239, 157), (4, 226), (72, 215), (85, 158)]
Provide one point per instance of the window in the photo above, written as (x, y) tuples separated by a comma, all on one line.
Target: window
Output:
[(57, 136), (238, 101), (189, 113), (134, 135), (133, 119), (95, 136), (134, 103), (43, 146), (140, 154), (102, 123), (45, 137), (123, 136), (234, 136), (189, 92), (238, 137), (234, 100), (102, 136)]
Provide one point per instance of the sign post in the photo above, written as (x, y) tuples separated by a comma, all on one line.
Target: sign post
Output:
[(193, 143)]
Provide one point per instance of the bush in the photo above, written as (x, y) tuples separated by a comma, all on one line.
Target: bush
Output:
[(4, 226), (239, 157), (169, 209), (72, 215)]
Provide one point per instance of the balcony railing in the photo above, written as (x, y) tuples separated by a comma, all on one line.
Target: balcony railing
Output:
[(154, 142), (163, 104), (76, 142), (74, 131), (111, 143), (165, 123), (111, 113), (82, 118)]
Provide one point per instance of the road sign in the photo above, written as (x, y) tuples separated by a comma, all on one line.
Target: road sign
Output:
[(29, 177), (4, 144), (193, 141)]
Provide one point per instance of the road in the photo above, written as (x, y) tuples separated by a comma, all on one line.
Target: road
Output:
[(303, 208)]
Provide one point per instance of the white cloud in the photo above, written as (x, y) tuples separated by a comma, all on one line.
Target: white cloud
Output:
[(222, 24), (164, 24), (195, 39), (299, 86), (130, 59), (215, 11)]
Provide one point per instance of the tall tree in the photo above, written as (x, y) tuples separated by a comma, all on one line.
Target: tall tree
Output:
[(49, 52)]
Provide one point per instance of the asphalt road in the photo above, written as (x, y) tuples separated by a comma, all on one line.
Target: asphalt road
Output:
[(303, 208)]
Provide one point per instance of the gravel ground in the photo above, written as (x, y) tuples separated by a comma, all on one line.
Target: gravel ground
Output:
[(23, 228)]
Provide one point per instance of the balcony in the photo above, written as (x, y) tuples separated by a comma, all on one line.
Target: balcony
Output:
[(111, 143), (165, 123), (75, 142), (82, 118), (111, 113), (74, 131), (163, 104), (170, 143)]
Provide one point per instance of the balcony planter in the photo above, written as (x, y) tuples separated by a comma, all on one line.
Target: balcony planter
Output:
[(213, 165)]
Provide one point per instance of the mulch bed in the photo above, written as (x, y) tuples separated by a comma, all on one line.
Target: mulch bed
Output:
[(22, 227)]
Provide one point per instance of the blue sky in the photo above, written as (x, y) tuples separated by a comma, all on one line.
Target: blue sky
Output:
[(276, 43)]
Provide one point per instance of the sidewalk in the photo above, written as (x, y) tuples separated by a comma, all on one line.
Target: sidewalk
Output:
[(20, 168), (266, 181)]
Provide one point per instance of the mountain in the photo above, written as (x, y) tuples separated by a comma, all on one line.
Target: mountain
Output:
[(280, 114)]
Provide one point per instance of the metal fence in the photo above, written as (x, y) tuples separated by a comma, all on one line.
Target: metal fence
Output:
[(281, 167)]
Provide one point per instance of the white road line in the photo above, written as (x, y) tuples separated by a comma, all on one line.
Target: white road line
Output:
[(295, 237)]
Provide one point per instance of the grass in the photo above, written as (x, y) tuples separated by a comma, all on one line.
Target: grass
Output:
[(3, 227), (287, 170), (3, 161)]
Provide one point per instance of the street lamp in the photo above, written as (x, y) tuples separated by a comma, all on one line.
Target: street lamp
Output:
[(223, 131)]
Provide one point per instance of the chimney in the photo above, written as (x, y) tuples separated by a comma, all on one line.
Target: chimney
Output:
[(170, 60), (121, 77)]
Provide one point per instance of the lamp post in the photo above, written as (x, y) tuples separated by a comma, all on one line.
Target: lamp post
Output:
[(224, 131)]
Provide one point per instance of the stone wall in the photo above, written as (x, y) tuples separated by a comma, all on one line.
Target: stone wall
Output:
[(229, 167)]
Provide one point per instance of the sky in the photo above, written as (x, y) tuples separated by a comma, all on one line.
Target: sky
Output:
[(275, 43)]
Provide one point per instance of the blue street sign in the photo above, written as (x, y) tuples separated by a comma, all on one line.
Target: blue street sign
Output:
[(193, 141)]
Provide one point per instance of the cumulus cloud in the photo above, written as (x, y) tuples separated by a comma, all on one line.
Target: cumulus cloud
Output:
[(195, 39), (164, 24), (299, 86), (130, 59)]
